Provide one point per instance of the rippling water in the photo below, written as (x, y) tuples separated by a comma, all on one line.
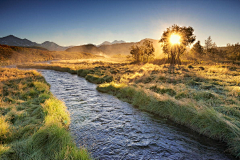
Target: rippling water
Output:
[(112, 129)]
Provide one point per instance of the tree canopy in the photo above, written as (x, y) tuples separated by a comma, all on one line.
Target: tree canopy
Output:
[(174, 51)]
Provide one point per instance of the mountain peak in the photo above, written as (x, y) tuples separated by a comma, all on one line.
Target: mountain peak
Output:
[(12, 40), (105, 43), (109, 43), (116, 41), (10, 36), (51, 46)]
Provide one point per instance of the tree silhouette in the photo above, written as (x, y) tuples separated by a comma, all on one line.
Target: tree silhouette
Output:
[(174, 51), (136, 53), (143, 52), (148, 49), (197, 49), (210, 47), (208, 44)]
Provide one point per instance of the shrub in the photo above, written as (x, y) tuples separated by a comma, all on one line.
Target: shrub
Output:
[(163, 90), (201, 95), (82, 72)]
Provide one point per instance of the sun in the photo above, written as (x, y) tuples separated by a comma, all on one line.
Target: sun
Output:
[(175, 39)]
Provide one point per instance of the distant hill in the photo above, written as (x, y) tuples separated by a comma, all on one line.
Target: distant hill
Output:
[(15, 41), (16, 54), (51, 46), (89, 48)]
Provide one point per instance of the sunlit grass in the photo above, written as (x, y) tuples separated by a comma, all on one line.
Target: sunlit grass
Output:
[(33, 123), (56, 111), (3, 149), (4, 128)]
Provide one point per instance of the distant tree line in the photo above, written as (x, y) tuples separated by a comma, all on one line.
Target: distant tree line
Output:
[(210, 50)]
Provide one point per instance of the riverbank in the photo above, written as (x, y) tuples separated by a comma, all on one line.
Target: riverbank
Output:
[(203, 98), (34, 124)]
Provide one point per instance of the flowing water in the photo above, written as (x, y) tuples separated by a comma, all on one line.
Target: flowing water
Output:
[(112, 129)]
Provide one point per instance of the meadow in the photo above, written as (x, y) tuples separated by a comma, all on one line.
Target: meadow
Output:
[(204, 96), (34, 124)]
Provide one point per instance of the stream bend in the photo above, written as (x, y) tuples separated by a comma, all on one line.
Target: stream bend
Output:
[(112, 129)]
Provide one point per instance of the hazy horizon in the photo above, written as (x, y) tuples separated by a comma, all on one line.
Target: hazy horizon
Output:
[(75, 23)]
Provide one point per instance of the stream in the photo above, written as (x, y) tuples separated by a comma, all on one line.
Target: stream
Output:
[(112, 129)]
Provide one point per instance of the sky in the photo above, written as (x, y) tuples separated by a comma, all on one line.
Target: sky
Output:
[(77, 22)]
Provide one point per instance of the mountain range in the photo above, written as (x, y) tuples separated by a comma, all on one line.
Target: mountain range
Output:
[(12, 40), (15, 41), (107, 48)]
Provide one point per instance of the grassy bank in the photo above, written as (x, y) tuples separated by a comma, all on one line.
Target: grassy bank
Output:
[(33, 122), (205, 98)]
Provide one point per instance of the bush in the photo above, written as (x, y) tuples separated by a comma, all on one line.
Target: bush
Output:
[(163, 90), (98, 79), (83, 72), (201, 95)]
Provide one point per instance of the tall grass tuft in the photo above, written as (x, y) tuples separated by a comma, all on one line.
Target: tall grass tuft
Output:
[(53, 142), (56, 112)]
